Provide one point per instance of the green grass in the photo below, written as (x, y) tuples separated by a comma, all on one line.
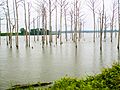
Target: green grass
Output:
[(109, 79)]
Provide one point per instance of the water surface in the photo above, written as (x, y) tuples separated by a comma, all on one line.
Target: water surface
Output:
[(29, 65)]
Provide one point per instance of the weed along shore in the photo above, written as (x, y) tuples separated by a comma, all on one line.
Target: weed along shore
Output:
[(108, 79)]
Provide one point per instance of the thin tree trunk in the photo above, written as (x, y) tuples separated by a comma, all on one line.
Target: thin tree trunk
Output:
[(43, 25), (50, 27), (76, 26), (10, 36), (80, 28), (94, 25), (65, 24), (29, 22), (71, 15), (46, 27), (61, 24), (38, 27), (25, 24), (112, 26), (102, 27), (0, 30), (56, 22), (118, 24), (34, 28), (105, 27), (7, 31), (16, 24)]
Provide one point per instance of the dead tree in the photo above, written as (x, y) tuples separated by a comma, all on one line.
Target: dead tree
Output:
[(65, 18), (34, 28), (0, 31), (7, 29), (29, 21), (45, 13), (56, 19), (43, 25), (50, 18), (38, 21), (61, 3), (102, 23), (114, 8), (75, 21), (9, 24), (71, 17), (105, 27), (92, 4), (118, 24), (16, 22), (26, 33)]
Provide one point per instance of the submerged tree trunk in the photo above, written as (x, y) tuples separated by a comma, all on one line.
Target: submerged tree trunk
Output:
[(29, 22), (94, 25), (7, 31), (46, 27), (38, 27), (71, 16), (118, 24), (43, 25), (75, 22), (65, 24), (50, 27), (61, 24), (56, 21), (34, 29), (105, 27), (10, 36), (0, 31), (25, 24), (16, 28), (101, 30), (113, 17)]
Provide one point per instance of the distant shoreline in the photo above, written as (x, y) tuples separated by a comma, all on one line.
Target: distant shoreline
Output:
[(54, 32)]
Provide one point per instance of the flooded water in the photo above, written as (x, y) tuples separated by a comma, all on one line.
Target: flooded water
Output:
[(29, 65)]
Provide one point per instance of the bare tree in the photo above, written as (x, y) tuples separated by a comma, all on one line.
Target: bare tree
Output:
[(0, 28), (50, 18), (118, 24), (29, 21), (61, 3), (71, 17), (46, 26), (105, 26), (9, 23), (38, 21), (34, 28), (43, 24), (65, 18), (92, 4), (0, 31), (101, 26), (1, 4), (114, 8), (56, 19), (16, 21), (26, 33), (75, 21)]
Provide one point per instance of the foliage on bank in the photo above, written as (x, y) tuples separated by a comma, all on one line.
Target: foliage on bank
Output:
[(109, 79)]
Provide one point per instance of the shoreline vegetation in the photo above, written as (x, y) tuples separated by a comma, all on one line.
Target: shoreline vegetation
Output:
[(108, 79), (53, 32)]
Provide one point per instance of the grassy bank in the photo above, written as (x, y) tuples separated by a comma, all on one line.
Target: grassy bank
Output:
[(109, 79)]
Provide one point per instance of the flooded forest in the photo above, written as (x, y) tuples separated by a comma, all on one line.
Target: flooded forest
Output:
[(44, 40)]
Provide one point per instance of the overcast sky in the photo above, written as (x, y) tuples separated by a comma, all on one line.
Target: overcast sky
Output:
[(84, 10)]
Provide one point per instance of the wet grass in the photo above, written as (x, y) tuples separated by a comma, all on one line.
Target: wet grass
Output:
[(108, 79)]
